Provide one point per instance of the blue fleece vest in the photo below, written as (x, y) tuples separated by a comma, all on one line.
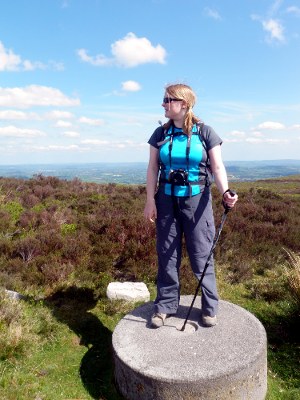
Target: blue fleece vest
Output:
[(179, 160)]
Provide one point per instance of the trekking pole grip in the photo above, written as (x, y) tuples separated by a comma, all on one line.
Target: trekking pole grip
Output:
[(232, 194)]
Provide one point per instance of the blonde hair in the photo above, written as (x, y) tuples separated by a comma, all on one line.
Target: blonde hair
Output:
[(184, 92)]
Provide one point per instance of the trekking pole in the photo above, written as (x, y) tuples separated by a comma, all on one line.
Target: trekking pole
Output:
[(224, 216)]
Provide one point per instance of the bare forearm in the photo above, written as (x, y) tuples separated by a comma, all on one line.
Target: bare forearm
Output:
[(221, 179), (150, 211), (152, 174), (229, 198), (218, 169)]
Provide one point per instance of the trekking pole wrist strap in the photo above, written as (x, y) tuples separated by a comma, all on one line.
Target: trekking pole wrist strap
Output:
[(232, 194), (227, 191)]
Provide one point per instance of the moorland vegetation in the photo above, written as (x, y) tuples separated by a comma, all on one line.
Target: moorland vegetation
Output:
[(62, 242)]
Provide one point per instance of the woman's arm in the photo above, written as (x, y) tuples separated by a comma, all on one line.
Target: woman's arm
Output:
[(152, 174), (220, 175)]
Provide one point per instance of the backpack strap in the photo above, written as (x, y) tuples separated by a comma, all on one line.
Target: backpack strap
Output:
[(201, 137), (208, 171), (169, 138)]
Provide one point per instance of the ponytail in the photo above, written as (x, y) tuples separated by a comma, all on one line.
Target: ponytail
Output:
[(189, 121)]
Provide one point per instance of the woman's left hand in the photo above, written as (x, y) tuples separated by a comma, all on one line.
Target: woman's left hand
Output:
[(230, 198)]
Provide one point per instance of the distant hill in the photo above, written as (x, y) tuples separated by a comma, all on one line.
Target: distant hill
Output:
[(135, 173), (253, 170)]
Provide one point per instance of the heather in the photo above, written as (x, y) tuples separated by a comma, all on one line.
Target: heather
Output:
[(62, 242)]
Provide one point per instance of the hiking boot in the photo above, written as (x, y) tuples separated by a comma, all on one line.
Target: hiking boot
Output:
[(209, 321), (157, 320)]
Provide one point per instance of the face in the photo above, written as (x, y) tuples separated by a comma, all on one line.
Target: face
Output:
[(174, 108)]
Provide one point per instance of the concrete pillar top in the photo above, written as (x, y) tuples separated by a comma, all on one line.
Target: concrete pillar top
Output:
[(198, 352)]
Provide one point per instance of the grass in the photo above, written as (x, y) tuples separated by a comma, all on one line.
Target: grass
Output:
[(281, 321), (74, 361), (72, 239), (66, 352)]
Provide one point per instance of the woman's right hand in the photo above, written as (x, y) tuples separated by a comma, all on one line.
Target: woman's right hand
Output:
[(150, 212)]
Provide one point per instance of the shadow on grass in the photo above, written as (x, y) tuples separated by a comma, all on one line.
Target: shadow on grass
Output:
[(71, 306)]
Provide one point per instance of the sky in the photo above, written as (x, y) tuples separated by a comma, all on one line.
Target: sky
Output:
[(83, 80)]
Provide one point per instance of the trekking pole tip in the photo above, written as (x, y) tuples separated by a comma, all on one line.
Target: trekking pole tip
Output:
[(183, 326)]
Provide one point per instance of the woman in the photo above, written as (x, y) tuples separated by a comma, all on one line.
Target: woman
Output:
[(184, 151)]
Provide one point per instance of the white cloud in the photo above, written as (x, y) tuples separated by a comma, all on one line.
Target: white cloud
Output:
[(274, 29), (294, 10), (96, 142), (13, 131), (98, 60), (114, 144), (257, 140), (209, 12), (132, 121), (9, 61), (90, 121), (56, 66), (18, 115), (257, 134), (57, 114), (132, 51), (131, 86), (35, 95), (233, 140), (31, 66), (63, 124), (254, 140), (128, 52), (71, 134), (70, 147), (237, 133), (129, 143), (271, 125), (275, 140)]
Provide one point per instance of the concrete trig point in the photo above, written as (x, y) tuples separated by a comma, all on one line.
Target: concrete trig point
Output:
[(226, 362)]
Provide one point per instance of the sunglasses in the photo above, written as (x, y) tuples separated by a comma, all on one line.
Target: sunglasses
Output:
[(168, 100)]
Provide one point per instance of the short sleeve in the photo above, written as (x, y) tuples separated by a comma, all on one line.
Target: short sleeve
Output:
[(156, 137), (210, 137)]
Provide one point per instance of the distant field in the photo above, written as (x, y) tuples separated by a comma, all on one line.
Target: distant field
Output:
[(135, 173)]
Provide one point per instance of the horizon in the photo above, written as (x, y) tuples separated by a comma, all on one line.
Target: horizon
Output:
[(142, 162), (136, 172), (75, 86)]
